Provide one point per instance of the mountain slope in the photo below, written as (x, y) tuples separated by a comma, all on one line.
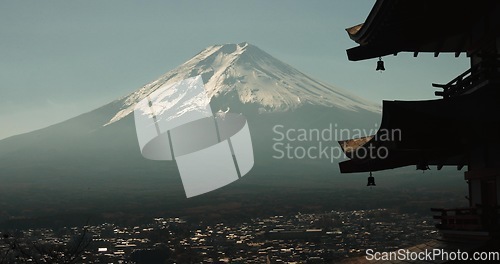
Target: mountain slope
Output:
[(250, 76), (238, 77), (94, 158)]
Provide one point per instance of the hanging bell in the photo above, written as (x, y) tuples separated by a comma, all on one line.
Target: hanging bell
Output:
[(380, 65), (371, 180)]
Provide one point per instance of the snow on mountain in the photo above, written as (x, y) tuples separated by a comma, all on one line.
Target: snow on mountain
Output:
[(256, 77)]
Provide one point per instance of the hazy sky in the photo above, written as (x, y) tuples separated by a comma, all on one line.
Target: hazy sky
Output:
[(62, 58)]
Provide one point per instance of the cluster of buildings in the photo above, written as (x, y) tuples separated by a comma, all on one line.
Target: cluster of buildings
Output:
[(296, 238)]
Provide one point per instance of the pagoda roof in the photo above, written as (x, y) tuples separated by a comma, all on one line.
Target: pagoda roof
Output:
[(432, 132), (425, 26)]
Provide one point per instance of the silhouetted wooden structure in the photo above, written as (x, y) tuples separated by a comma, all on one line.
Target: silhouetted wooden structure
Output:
[(460, 129)]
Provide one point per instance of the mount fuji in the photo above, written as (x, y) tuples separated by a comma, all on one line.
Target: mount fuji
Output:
[(96, 154), (238, 75)]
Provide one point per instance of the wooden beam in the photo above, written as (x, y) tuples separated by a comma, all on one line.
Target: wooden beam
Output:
[(461, 45), (439, 47), (437, 85)]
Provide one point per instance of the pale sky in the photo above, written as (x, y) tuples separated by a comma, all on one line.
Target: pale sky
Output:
[(59, 59)]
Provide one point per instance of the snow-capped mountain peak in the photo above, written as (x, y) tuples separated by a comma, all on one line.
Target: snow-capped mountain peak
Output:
[(245, 73)]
